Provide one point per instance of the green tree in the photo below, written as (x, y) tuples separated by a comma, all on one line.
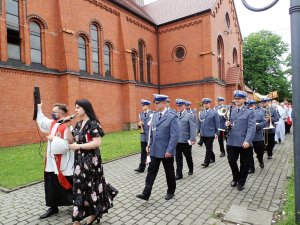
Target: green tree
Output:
[(267, 64)]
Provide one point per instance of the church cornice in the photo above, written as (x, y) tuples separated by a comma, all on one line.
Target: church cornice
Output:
[(139, 24), (104, 7), (181, 26)]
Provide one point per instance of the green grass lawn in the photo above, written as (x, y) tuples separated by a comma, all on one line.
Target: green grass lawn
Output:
[(24, 164), (288, 212)]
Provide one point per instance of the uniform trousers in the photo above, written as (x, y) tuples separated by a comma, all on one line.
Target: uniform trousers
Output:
[(209, 155), (186, 150), (142, 165), (259, 148), (271, 143), (221, 138), (233, 153), (153, 168)]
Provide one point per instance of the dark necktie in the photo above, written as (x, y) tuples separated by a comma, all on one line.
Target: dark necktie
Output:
[(145, 114), (180, 114), (160, 114), (238, 110)]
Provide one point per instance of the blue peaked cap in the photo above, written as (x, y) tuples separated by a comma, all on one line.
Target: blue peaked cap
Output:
[(145, 102), (220, 99), (239, 94), (160, 98), (251, 102), (187, 103), (180, 101), (265, 99), (206, 100)]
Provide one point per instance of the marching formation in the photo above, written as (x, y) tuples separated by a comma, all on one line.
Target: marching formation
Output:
[(73, 167), (247, 126)]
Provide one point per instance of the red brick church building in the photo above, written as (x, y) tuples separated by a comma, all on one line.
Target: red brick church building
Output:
[(113, 52)]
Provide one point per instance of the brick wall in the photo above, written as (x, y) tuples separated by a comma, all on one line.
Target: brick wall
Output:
[(116, 100)]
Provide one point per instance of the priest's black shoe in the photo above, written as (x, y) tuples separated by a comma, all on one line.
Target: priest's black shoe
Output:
[(251, 171), (190, 173), (51, 211), (233, 183), (269, 157), (169, 196), (204, 165), (178, 177), (139, 170), (222, 154), (262, 165), (144, 197), (240, 186)]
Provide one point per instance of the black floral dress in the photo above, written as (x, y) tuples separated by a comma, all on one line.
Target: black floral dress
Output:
[(91, 194)]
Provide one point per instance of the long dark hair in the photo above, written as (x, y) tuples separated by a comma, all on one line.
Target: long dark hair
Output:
[(88, 108)]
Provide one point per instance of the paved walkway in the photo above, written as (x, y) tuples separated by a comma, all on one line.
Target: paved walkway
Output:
[(198, 197)]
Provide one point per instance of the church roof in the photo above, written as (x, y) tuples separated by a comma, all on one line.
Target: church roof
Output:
[(164, 11), (131, 6)]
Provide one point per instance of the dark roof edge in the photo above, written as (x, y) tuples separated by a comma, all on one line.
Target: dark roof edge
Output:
[(133, 12), (186, 17)]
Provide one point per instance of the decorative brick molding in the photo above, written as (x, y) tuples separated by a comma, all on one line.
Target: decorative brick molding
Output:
[(40, 19), (83, 34), (97, 23), (137, 23), (104, 7), (181, 26)]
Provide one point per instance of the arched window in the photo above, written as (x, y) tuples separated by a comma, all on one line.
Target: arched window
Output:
[(107, 59), (35, 43), (134, 59), (149, 64), (13, 29), (141, 60), (82, 54), (234, 57), (220, 47), (95, 48)]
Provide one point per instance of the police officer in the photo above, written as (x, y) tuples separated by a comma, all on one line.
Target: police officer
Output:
[(270, 114), (187, 138), (208, 126), (143, 123), (222, 127), (164, 135), (258, 140), (188, 108), (239, 142)]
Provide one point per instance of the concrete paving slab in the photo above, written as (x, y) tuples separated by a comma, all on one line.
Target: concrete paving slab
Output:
[(242, 215)]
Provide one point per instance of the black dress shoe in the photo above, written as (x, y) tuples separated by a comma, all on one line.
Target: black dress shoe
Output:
[(204, 165), (240, 186), (212, 161), (233, 183), (178, 177), (51, 211), (251, 171), (222, 154), (269, 157), (139, 170), (169, 196), (143, 196), (262, 165), (190, 173)]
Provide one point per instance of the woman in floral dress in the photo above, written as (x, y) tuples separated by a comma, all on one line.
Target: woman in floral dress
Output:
[(92, 196)]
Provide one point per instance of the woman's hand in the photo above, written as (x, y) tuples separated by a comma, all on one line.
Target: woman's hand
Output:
[(74, 146)]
